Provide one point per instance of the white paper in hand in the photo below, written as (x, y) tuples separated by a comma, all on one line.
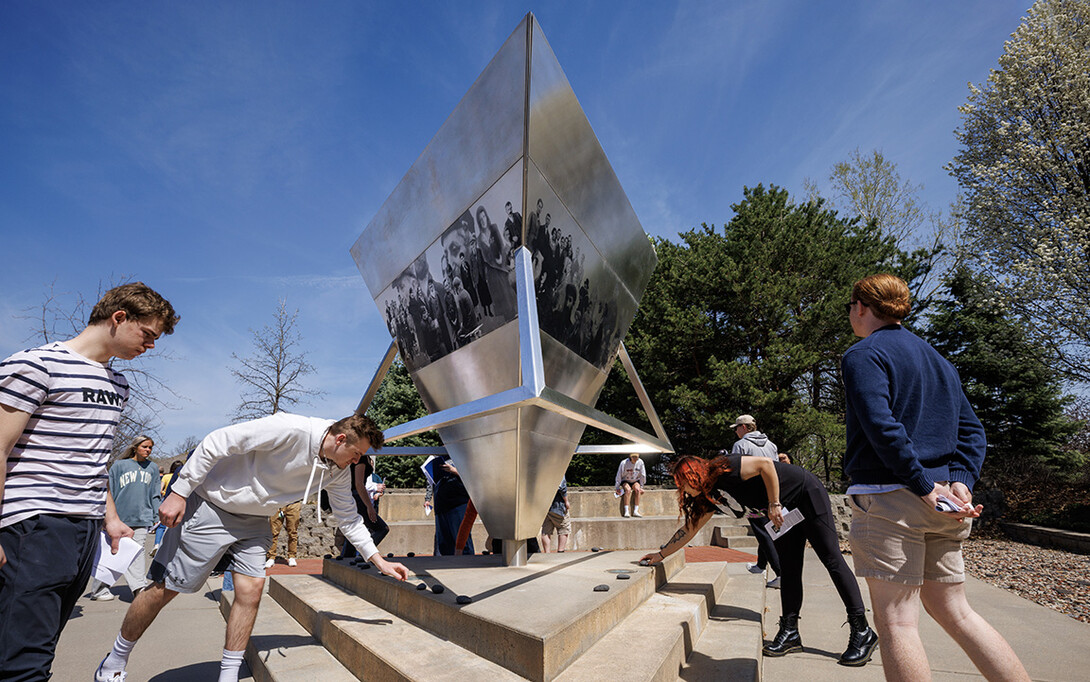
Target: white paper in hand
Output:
[(109, 567), (791, 518)]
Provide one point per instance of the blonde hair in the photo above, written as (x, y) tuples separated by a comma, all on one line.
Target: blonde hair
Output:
[(886, 295), (130, 451)]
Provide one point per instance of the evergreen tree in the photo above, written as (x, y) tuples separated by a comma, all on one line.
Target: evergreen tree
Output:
[(396, 402), (750, 319), (1011, 384)]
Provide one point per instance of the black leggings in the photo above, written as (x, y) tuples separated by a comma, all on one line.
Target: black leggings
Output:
[(818, 528)]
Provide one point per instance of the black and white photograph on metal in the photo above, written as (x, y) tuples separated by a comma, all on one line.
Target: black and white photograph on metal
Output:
[(463, 285)]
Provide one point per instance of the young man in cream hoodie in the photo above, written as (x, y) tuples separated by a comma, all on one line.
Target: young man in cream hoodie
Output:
[(220, 504)]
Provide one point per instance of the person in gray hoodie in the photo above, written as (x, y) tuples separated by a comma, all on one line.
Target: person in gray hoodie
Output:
[(753, 443), (219, 506)]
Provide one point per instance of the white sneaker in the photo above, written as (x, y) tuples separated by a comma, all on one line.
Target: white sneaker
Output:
[(269, 563), (754, 568), (115, 676), (103, 594), (774, 583), (636, 512), (291, 561), (626, 514)]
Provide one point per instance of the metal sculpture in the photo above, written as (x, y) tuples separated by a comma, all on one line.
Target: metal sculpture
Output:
[(509, 332)]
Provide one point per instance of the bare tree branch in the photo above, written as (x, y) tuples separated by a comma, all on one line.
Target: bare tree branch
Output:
[(272, 376)]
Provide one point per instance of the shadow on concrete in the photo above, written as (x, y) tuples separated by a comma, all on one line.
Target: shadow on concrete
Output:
[(541, 574), (208, 670)]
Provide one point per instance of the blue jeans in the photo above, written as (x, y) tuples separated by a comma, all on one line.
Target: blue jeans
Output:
[(49, 563)]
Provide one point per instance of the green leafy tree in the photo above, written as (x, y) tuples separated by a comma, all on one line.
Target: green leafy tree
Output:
[(1024, 165), (869, 187), (750, 319), (1013, 388), (396, 402)]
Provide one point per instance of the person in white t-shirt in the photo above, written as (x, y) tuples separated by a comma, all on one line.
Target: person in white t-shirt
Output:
[(631, 477)]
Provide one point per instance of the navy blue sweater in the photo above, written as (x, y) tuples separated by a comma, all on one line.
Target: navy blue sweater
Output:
[(908, 420)]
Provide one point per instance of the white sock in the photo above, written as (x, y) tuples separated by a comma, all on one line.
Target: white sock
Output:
[(119, 655), (229, 665)]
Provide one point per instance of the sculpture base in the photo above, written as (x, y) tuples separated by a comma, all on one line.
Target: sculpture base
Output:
[(541, 621)]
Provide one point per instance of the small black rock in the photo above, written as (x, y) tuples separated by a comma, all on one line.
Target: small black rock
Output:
[(411, 554), (623, 576), (421, 586), (596, 549), (463, 599), (601, 588), (327, 556), (437, 588), (485, 553), (389, 555), (365, 566)]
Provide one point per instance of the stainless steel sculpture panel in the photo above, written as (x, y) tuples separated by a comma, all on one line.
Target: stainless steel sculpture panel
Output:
[(508, 264)]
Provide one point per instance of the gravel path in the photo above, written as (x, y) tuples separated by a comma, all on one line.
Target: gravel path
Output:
[(1050, 577)]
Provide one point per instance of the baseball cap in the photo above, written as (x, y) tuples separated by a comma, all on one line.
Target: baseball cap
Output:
[(746, 419)]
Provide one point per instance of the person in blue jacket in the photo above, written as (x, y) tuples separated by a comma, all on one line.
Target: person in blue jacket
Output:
[(914, 452)]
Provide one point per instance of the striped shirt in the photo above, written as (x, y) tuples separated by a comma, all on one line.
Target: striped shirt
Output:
[(58, 465)]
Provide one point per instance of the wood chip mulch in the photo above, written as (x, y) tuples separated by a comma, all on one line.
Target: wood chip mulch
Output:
[(1049, 577)]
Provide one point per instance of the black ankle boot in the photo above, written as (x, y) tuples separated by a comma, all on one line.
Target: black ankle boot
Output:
[(861, 644), (787, 639)]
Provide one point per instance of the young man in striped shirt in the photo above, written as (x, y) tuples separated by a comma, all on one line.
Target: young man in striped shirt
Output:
[(59, 407)]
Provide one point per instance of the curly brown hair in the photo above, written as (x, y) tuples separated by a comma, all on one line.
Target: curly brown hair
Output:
[(699, 474), (139, 301), (359, 426)]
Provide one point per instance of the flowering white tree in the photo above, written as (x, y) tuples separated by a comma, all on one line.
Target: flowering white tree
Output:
[(1024, 165)]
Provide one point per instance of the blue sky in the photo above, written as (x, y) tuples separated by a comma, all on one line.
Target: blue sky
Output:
[(229, 154)]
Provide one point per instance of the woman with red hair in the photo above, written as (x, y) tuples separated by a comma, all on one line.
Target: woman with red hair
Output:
[(761, 483)]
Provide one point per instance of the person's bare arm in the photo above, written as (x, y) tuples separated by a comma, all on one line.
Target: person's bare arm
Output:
[(677, 541), (113, 525), (12, 423)]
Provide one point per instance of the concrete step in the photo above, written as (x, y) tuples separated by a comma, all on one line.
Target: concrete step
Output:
[(534, 620), (655, 640), (611, 533), (281, 650), (375, 643), (649, 646), (407, 504), (729, 648)]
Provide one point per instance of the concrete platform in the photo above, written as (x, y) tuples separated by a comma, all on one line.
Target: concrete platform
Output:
[(543, 621), (185, 642), (534, 619)]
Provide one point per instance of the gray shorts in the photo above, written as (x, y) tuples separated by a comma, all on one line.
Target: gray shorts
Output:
[(193, 548)]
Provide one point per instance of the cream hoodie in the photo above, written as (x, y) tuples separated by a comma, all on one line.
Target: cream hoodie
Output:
[(258, 466)]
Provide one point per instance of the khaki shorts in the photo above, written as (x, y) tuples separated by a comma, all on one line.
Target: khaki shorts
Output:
[(896, 536), (560, 522)]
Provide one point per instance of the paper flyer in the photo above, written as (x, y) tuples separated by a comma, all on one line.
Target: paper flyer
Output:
[(109, 567), (791, 518)]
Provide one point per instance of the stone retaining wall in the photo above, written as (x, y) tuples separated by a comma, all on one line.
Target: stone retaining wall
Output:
[(1048, 537), (316, 540)]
